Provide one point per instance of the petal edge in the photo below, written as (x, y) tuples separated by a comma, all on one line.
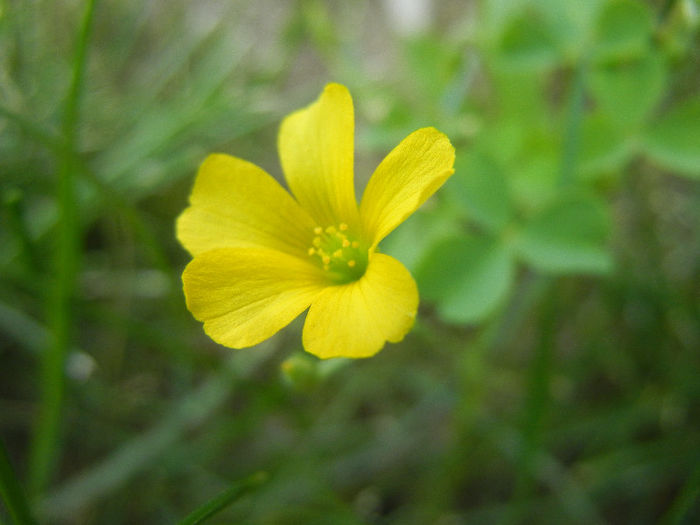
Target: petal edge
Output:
[(357, 319), (316, 148), (404, 180), (246, 295), (236, 203)]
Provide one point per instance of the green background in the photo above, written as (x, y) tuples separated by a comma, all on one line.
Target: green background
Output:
[(553, 372)]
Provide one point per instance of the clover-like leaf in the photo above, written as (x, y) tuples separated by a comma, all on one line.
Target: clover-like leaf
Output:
[(568, 236), (674, 141), (466, 277)]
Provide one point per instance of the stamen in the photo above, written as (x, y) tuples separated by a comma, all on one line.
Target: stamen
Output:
[(335, 249)]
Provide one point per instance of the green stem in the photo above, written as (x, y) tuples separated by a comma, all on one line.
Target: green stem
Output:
[(499, 332), (224, 499), (536, 407), (44, 450), (11, 491)]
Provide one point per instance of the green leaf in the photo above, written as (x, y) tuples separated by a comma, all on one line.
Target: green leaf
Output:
[(410, 241), (628, 90), (480, 186), (571, 22), (432, 64), (467, 278), (504, 139), (527, 44), (674, 141), (604, 147), (623, 30), (568, 236), (534, 173)]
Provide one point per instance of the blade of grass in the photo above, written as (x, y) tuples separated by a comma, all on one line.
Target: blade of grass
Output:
[(44, 448), (224, 499), (11, 491)]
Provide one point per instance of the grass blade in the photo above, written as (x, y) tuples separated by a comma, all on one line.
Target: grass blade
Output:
[(224, 499), (11, 491), (46, 433)]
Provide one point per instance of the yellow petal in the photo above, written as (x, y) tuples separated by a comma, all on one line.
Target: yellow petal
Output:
[(245, 295), (404, 180), (316, 151), (235, 203), (356, 319)]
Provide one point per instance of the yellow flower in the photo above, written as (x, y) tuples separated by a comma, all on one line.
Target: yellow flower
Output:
[(262, 257)]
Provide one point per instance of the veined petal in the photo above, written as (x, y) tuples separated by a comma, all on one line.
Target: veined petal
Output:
[(235, 203), (404, 180), (245, 295), (316, 152), (356, 319)]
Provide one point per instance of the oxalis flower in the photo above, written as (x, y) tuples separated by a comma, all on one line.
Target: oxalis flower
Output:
[(262, 257)]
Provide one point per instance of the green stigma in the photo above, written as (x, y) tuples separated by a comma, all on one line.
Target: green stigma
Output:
[(340, 253)]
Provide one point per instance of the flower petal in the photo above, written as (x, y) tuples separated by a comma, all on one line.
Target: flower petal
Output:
[(316, 151), (404, 180), (356, 319), (235, 203), (245, 295)]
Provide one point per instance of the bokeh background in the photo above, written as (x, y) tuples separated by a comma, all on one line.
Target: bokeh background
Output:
[(553, 372)]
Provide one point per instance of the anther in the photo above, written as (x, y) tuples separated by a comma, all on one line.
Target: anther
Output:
[(334, 249)]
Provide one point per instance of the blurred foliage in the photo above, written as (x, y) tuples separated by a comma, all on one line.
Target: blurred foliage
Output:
[(552, 376)]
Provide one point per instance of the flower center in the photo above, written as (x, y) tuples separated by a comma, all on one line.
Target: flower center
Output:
[(340, 253)]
